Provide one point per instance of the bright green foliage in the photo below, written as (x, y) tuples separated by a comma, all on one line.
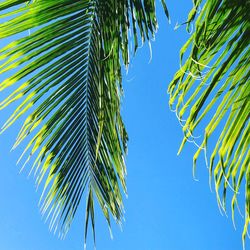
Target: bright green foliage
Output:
[(212, 87), (64, 66)]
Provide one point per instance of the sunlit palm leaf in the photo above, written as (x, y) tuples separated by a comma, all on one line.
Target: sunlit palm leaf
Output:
[(63, 66), (212, 87)]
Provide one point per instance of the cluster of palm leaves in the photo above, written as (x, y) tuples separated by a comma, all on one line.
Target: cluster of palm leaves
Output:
[(212, 87), (62, 62)]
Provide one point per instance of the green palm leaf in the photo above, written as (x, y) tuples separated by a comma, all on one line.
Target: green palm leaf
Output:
[(63, 66), (212, 89)]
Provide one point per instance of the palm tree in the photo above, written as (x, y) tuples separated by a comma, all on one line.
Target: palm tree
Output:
[(212, 89), (62, 61)]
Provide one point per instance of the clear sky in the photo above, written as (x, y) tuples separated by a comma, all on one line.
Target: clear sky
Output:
[(166, 209)]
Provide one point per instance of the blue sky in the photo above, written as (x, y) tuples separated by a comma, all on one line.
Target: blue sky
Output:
[(166, 209)]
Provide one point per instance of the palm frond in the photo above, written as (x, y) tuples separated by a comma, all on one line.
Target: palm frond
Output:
[(63, 65), (212, 89)]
